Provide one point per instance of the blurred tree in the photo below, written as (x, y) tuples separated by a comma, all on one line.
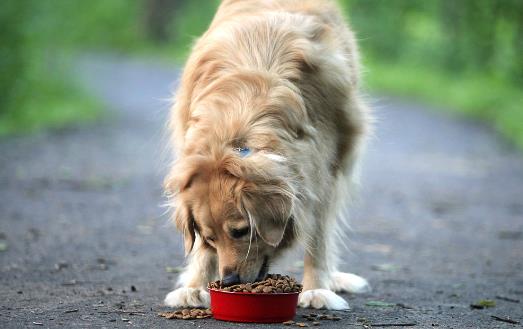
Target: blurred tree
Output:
[(518, 40), (37, 38), (13, 52), (158, 17), (483, 36)]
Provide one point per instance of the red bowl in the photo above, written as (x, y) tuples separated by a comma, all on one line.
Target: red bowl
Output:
[(253, 307)]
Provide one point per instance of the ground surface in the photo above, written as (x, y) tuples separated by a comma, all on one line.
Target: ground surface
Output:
[(438, 224)]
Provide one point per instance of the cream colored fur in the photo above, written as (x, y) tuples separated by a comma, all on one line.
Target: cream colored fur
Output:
[(281, 78)]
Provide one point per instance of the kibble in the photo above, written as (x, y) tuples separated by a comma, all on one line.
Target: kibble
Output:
[(187, 314), (273, 283)]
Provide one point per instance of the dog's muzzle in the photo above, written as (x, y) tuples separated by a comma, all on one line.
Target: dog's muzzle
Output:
[(230, 279)]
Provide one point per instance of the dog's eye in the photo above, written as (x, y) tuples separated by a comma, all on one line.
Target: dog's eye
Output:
[(239, 233)]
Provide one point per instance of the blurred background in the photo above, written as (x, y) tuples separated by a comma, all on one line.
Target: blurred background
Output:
[(84, 93), (463, 55)]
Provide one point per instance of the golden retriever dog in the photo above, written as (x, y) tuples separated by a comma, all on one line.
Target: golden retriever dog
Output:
[(268, 124)]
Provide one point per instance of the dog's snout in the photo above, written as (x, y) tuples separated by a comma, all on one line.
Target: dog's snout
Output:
[(230, 278)]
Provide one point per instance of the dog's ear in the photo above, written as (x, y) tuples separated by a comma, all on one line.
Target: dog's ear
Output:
[(182, 174), (268, 209), (177, 181), (185, 223)]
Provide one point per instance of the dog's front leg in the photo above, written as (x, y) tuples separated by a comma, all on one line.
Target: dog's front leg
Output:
[(317, 281), (192, 284), (320, 277)]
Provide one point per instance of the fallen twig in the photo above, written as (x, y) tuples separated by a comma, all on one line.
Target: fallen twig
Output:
[(507, 320), (508, 299)]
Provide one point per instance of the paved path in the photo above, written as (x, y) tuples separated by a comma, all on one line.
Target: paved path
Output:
[(84, 241)]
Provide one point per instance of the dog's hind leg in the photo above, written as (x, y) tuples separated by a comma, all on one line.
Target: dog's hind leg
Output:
[(192, 284)]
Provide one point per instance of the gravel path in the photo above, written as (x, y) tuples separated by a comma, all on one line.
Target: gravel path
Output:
[(84, 241)]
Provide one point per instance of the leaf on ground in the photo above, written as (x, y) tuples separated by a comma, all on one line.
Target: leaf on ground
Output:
[(3, 246), (510, 235), (483, 303), (377, 303)]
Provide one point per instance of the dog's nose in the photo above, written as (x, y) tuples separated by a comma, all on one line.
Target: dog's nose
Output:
[(230, 278)]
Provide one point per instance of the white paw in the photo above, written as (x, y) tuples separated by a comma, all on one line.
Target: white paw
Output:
[(322, 298), (187, 297), (348, 282)]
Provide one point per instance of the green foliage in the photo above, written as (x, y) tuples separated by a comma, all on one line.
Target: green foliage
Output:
[(190, 22), (470, 94), (113, 24), (37, 38), (13, 57), (468, 35), (465, 55)]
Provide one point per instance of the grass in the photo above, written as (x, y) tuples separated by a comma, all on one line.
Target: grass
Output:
[(38, 88), (52, 104), (489, 99)]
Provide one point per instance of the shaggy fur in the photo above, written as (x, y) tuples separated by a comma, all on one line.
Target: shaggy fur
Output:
[(268, 124)]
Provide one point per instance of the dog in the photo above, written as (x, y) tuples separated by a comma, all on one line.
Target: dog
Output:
[(268, 124)]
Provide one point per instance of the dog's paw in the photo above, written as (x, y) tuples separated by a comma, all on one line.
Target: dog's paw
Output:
[(187, 297), (322, 298), (348, 282)]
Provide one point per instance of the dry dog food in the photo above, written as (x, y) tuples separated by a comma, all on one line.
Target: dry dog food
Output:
[(187, 314), (274, 283)]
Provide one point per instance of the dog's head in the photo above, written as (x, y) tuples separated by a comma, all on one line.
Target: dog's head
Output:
[(239, 214), (233, 185)]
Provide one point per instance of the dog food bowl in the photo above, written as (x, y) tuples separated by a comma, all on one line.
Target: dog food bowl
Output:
[(253, 307)]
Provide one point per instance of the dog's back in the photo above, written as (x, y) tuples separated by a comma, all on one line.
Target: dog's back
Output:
[(304, 41)]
